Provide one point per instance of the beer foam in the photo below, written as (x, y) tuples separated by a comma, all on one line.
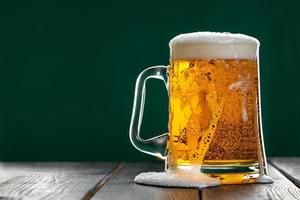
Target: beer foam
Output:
[(172, 179), (213, 45), (189, 180)]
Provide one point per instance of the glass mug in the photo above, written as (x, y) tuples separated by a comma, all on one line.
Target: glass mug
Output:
[(214, 107)]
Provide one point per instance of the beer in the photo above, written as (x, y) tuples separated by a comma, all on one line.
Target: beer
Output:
[(213, 112)]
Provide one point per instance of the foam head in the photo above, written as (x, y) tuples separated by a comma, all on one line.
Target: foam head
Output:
[(212, 45)]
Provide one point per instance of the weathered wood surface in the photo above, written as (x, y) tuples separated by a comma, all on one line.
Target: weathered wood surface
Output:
[(282, 188), (121, 186), (290, 167), (105, 181), (50, 180)]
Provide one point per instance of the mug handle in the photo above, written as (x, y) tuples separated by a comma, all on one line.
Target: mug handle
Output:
[(155, 146)]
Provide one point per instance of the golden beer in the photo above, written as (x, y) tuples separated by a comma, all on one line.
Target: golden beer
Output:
[(213, 112)]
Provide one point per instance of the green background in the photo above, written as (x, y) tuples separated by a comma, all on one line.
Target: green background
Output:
[(68, 69)]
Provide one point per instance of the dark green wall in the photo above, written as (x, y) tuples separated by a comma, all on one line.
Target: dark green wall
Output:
[(68, 69)]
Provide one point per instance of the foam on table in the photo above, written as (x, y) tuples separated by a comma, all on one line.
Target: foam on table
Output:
[(169, 179), (189, 177)]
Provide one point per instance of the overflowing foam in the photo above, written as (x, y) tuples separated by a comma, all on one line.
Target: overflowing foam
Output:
[(192, 177), (212, 45), (192, 180), (171, 179)]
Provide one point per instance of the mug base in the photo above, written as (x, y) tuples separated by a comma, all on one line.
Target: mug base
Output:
[(229, 172)]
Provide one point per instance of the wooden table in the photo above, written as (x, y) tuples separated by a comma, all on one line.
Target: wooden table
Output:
[(106, 181)]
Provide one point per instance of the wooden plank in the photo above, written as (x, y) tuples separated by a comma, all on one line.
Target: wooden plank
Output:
[(50, 180), (290, 167), (282, 188), (121, 186)]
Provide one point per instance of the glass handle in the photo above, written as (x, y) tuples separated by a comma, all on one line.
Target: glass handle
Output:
[(155, 146)]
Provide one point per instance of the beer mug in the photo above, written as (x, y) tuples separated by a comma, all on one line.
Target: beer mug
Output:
[(214, 107)]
